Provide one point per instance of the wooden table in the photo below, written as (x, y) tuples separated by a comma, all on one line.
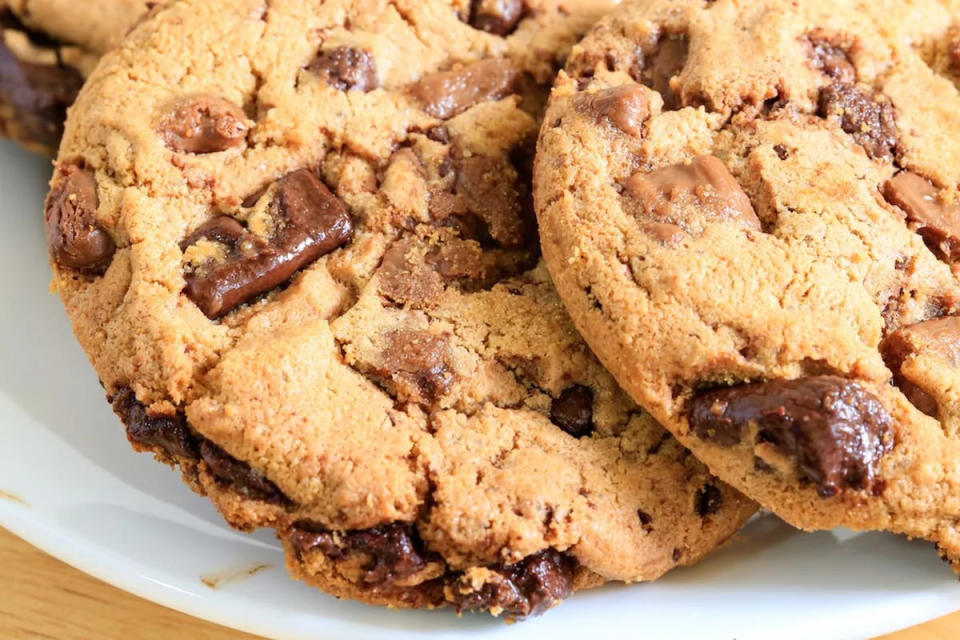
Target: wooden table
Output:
[(41, 597)]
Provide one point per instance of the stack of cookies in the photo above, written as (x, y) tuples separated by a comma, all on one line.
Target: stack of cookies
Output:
[(322, 254)]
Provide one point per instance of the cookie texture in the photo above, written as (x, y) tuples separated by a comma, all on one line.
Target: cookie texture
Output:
[(751, 212), (297, 242), (47, 47)]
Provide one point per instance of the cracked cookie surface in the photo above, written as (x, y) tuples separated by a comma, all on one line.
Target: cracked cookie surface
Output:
[(751, 212), (298, 246)]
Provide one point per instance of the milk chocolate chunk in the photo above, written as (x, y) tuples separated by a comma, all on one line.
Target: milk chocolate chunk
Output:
[(416, 363), (204, 124), (626, 107), (690, 197), (346, 68), (445, 94), (834, 430), (167, 432), (406, 278), (831, 59), (527, 588), (383, 554), (75, 238), (866, 115), (937, 221), (238, 474), (938, 340), (660, 67), (572, 411), (499, 17), (308, 222)]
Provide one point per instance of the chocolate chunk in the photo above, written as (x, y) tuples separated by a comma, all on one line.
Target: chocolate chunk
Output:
[(75, 238), (782, 152), (573, 411), (626, 107), (238, 474), (385, 554), (204, 124), (447, 93), (309, 222), (416, 363), (689, 197), (346, 68), (527, 588), (646, 520), (499, 17), (491, 189), (169, 433), (866, 115), (835, 430), (36, 95), (664, 64), (407, 279), (708, 500), (937, 221), (831, 60), (938, 339)]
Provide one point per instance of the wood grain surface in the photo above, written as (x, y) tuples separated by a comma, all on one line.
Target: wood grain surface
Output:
[(41, 597)]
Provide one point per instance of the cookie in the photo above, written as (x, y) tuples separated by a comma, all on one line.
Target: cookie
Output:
[(47, 47), (751, 212), (299, 248)]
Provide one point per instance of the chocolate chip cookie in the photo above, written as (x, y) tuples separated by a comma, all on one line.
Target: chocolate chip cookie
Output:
[(47, 47), (299, 248), (751, 211)]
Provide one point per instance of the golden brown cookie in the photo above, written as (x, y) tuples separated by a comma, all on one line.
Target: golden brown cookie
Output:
[(298, 245), (751, 212)]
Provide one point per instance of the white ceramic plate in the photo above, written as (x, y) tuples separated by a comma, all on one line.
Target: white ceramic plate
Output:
[(70, 484)]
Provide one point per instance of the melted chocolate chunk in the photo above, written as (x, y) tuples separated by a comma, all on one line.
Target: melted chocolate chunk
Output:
[(626, 107), (407, 279), (499, 17), (169, 433), (831, 60), (447, 93), (708, 500), (416, 362), (346, 68), (387, 553), (689, 197), (309, 222), (572, 411), (940, 339), (937, 221), (37, 94), (866, 115), (834, 429), (75, 238), (664, 64), (527, 588), (204, 124), (238, 474)]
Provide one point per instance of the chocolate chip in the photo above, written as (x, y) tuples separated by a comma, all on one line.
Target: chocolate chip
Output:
[(665, 63), (308, 222), (626, 107), (866, 115), (36, 95), (445, 94), (406, 278), (782, 152), (384, 554), (169, 433), (75, 238), (834, 430), (346, 68), (572, 411), (831, 59), (204, 124), (646, 520), (708, 500), (689, 197), (527, 588), (238, 474), (499, 17), (937, 221), (416, 363), (937, 340)]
